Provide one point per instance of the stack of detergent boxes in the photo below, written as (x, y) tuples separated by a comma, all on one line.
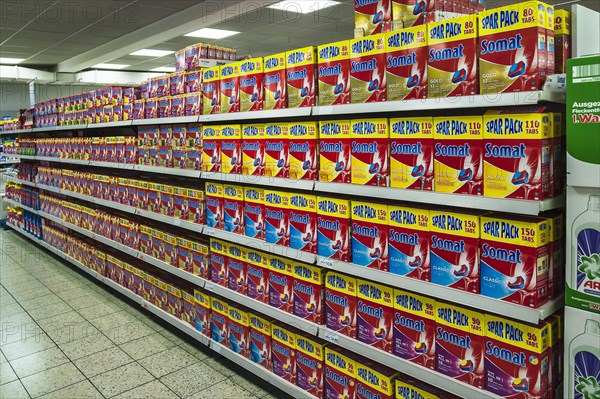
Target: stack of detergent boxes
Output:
[(171, 146)]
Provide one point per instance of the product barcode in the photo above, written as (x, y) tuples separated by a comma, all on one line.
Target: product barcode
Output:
[(584, 71)]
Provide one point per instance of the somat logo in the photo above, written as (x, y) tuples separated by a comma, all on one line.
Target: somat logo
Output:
[(245, 82), (373, 311), (332, 375), (281, 349), (272, 79), (504, 255), (297, 75), (329, 129), (403, 217), (298, 130), (257, 337), (447, 245), (303, 288), (450, 53), (505, 151), (236, 329), (330, 70), (277, 215), (328, 206), (501, 229), (299, 147), (517, 358), (406, 149), (252, 271), (229, 146), (367, 375), (370, 291), (504, 126), (210, 87), (365, 148), (250, 146), (236, 265), (363, 46), (364, 231), (500, 45), (363, 66), (362, 3), (336, 299), (500, 19), (442, 150), (232, 206), (311, 364), (328, 224), (417, 325), (329, 52), (404, 238), (453, 338), (299, 218), (280, 280), (228, 85), (299, 201), (253, 210), (274, 146), (402, 60)]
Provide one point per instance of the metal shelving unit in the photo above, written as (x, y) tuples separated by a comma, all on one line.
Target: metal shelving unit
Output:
[(278, 182)]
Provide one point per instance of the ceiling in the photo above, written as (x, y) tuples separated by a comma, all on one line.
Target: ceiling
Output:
[(68, 36)]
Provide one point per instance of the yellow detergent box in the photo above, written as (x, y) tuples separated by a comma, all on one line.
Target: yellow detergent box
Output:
[(333, 228), (410, 388), (374, 380), (231, 149), (233, 208), (283, 350), (309, 292), (239, 329), (340, 374), (211, 150), (373, 16), (340, 302), (253, 149), (334, 151), (310, 356), (303, 150), (367, 69), (369, 151), (300, 68), (277, 150), (562, 39), (202, 312), (211, 97), (281, 284), (406, 63), (334, 73), (251, 85), (260, 341), (275, 82), (409, 242), (229, 81), (303, 222), (219, 321), (375, 314)]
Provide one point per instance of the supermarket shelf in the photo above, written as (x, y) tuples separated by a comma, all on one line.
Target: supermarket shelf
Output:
[(424, 374), (160, 121), (98, 164), (18, 204), (168, 171), (15, 132), (72, 127), (277, 182), (17, 180), (175, 322), (9, 162), (255, 115), (109, 124)]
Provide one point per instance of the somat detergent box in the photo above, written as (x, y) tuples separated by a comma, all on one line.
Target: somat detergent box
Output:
[(237, 269), (373, 16), (370, 141), (459, 343), (340, 374), (277, 217), (251, 84), (411, 153), (303, 150), (414, 328), (218, 262), (340, 303), (333, 228), (283, 352), (409, 242), (275, 81), (375, 315), (455, 249), (253, 149), (211, 149), (233, 209), (549, 31), (231, 149), (512, 48), (406, 63), (239, 329), (367, 69), (409, 388), (370, 235), (374, 380), (309, 292), (310, 356), (211, 96), (219, 321), (458, 155), (334, 151), (515, 259), (517, 358), (562, 39), (303, 222), (412, 12), (277, 150), (257, 271), (260, 341), (214, 205), (254, 212), (452, 64), (334, 73), (202, 312), (300, 69), (229, 87), (281, 283), (518, 153)]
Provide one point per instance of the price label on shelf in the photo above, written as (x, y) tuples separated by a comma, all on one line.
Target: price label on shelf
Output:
[(217, 348), (210, 231), (204, 118), (331, 337), (144, 304), (209, 287), (324, 262), (177, 222)]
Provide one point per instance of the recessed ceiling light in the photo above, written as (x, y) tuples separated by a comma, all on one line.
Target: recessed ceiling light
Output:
[(146, 52), (5, 60), (209, 33), (164, 69), (110, 66), (304, 6)]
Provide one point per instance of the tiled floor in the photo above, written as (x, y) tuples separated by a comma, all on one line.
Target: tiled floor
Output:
[(66, 336)]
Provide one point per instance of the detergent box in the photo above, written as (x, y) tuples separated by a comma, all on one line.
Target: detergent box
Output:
[(554, 354), (452, 64), (211, 149), (517, 358), (459, 344), (340, 374), (231, 149), (229, 87), (254, 212), (196, 203), (300, 69), (219, 321), (275, 81), (409, 242), (412, 12), (237, 269), (253, 149), (518, 153), (239, 330), (369, 151), (515, 259), (458, 155), (277, 149), (233, 209), (512, 48), (283, 352), (409, 388), (367, 69), (411, 153), (340, 303), (303, 150), (202, 312), (281, 283), (549, 31), (414, 328), (260, 340), (334, 73), (334, 151), (375, 315), (406, 63), (211, 103), (303, 222), (370, 235), (562, 39), (214, 205), (373, 16), (257, 275), (309, 292), (251, 84), (277, 217), (310, 356), (333, 228), (455, 249), (556, 255), (218, 262), (374, 380)]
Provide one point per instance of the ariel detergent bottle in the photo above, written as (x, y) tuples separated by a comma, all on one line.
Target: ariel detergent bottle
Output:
[(583, 363)]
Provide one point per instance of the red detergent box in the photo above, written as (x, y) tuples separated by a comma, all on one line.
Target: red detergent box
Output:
[(517, 358), (303, 150), (452, 64), (409, 388), (375, 315), (406, 63), (229, 88), (414, 328), (165, 134), (193, 82), (369, 151), (277, 148), (231, 149), (460, 344), (370, 235), (513, 53), (253, 149), (562, 39), (518, 153), (214, 205), (373, 16), (185, 254), (374, 380), (367, 69), (257, 275), (260, 341), (277, 217), (174, 304), (275, 81), (303, 222), (340, 303), (300, 70), (177, 84), (310, 356), (283, 352), (211, 148), (179, 136), (515, 259), (166, 201), (218, 262), (239, 329), (196, 203), (411, 153), (333, 229), (309, 292), (236, 269), (192, 104), (191, 56), (412, 12), (281, 283), (154, 200), (188, 303), (556, 274), (177, 106), (455, 249), (194, 135), (254, 212), (219, 321), (151, 108), (409, 242), (334, 73), (340, 374), (202, 313), (458, 156), (211, 103), (163, 86), (233, 209), (139, 109), (200, 260), (164, 107), (251, 84), (334, 151)]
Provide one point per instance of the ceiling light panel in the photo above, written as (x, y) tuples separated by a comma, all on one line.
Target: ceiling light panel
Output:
[(110, 66), (164, 69), (10, 61), (209, 33), (151, 53)]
